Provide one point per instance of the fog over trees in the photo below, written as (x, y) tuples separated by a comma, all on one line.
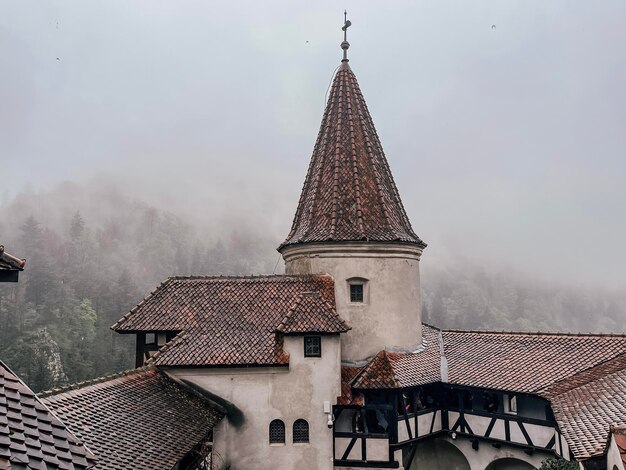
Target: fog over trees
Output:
[(93, 252)]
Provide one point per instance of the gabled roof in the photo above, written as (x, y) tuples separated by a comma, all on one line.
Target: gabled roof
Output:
[(311, 313), (349, 193), (139, 420), (233, 320), (31, 436)]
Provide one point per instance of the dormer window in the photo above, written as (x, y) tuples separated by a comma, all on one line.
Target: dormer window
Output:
[(356, 292)]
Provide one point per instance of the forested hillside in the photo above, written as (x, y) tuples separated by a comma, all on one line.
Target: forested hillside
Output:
[(92, 254)]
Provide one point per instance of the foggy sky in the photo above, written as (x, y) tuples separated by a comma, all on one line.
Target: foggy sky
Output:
[(504, 121)]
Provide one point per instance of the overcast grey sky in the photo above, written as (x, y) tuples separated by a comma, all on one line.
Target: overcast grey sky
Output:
[(504, 121)]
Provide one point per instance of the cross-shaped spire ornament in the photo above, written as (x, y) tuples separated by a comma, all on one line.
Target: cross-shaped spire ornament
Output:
[(345, 45)]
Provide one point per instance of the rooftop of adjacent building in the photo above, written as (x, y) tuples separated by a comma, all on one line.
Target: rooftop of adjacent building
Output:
[(10, 262), (31, 435), (119, 417)]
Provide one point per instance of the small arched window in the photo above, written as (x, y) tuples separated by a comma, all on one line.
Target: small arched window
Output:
[(277, 432), (300, 431)]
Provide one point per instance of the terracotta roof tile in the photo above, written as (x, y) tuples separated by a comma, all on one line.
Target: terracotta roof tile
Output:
[(501, 360), (9, 262), (310, 313), (348, 396), (349, 193), (232, 320), (587, 403), (139, 420), (584, 376), (31, 435), (392, 369)]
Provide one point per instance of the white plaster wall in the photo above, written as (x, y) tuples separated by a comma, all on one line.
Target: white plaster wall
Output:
[(613, 458), (540, 435), (264, 394), (391, 313)]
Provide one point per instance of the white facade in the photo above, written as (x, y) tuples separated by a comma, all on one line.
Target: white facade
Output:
[(613, 457), (267, 393), (390, 314)]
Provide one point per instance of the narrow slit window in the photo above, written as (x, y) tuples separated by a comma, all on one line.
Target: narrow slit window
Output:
[(356, 292), (277, 432), (312, 346)]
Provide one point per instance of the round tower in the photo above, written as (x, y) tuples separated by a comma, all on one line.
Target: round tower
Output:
[(350, 223)]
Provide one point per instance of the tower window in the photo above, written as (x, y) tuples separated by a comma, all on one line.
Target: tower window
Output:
[(312, 346), (300, 431), (277, 432), (356, 292)]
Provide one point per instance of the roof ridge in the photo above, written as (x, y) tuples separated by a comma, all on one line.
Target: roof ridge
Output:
[(243, 276), (94, 381), (140, 304), (335, 192), (132, 311), (531, 333), (355, 166)]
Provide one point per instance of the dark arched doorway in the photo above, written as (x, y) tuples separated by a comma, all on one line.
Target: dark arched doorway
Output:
[(437, 454), (509, 464)]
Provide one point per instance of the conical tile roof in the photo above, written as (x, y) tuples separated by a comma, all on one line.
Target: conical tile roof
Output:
[(349, 193)]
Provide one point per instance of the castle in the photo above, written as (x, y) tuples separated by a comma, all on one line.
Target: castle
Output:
[(330, 366)]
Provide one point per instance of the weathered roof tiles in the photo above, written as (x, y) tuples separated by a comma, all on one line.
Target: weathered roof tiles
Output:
[(31, 436), (349, 193), (234, 320), (138, 420)]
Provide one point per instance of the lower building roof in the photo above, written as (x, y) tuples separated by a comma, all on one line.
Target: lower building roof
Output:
[(31, 435), (139, 420), (583, 375), (586, 404)]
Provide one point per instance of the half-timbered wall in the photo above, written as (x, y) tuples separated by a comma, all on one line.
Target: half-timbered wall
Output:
[(483, 419)]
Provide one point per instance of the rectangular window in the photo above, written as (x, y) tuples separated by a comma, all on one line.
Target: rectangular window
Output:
[(510, 404), (356, 292), (312, 346)]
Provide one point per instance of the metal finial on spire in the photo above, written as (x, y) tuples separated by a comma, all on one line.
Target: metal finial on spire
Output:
[(345, 45)]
